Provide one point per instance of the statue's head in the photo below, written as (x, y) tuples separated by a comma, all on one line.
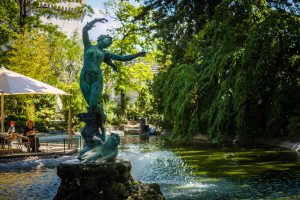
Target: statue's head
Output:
[(104, 41)]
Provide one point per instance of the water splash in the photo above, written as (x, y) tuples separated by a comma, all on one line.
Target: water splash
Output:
[(36, 178), (166, 169)]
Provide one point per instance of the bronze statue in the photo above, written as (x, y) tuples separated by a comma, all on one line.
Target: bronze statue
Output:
[(91, 85)]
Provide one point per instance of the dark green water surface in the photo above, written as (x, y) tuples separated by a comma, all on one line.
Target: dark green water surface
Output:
[(258, 173), (205, 171), (197, 172)]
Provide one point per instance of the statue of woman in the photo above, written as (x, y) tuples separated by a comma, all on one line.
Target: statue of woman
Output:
[(97, 145), (91, 77)]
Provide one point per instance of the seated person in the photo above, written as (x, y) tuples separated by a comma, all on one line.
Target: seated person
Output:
[(11, 128), (10, 135), (30, 133)]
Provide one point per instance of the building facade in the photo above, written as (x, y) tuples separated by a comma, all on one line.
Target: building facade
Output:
[(68, 26)]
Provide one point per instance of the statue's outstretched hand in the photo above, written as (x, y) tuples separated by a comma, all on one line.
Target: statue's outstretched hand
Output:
[(142, 54)]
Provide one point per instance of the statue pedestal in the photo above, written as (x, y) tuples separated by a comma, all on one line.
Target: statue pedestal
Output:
[(106, 180)]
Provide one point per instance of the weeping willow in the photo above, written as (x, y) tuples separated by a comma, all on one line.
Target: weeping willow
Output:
[(239, 77)]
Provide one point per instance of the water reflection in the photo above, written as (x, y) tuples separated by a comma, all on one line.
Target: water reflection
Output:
[(212, 172), (192, 172), (32, 184)]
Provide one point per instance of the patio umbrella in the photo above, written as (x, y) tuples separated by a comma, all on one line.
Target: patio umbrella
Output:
[(12, 83)]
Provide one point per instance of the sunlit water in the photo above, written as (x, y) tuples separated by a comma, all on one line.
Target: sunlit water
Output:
[(58, 138), (193, 172)]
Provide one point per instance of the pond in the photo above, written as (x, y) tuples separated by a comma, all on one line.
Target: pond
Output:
[(184, 172)]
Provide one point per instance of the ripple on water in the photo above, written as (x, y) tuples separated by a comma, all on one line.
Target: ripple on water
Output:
[(32, 178), (178, 181), (35, 184), (36, 178)]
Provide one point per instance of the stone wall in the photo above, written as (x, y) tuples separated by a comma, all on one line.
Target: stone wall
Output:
[(103, 181)]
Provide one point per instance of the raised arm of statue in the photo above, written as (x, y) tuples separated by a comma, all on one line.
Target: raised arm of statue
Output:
[(86, 28), (125, 58)]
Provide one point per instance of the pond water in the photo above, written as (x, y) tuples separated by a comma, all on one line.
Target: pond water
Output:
[(59, 138), (183, 172)]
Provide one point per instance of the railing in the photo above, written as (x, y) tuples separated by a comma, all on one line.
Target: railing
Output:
[(49, 143), (59, 143)]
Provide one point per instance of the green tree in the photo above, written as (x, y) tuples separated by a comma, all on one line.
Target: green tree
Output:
[(8, 24), (175, 22), (51, 58), (30, 12), (30, 55), (21, 16), (66, 61), (128, 38), (38, 50), (237, 76), (269, 74)]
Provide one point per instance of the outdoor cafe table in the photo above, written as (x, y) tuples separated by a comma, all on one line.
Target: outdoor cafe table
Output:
[(37, 135)]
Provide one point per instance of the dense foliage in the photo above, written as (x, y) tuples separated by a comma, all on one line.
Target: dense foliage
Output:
[(177, 21), (238, 76), (133, 77), (53, 59), (228, 68), (40, 51)]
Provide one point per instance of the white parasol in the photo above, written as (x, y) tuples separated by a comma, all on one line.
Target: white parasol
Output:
[(12, 83)]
